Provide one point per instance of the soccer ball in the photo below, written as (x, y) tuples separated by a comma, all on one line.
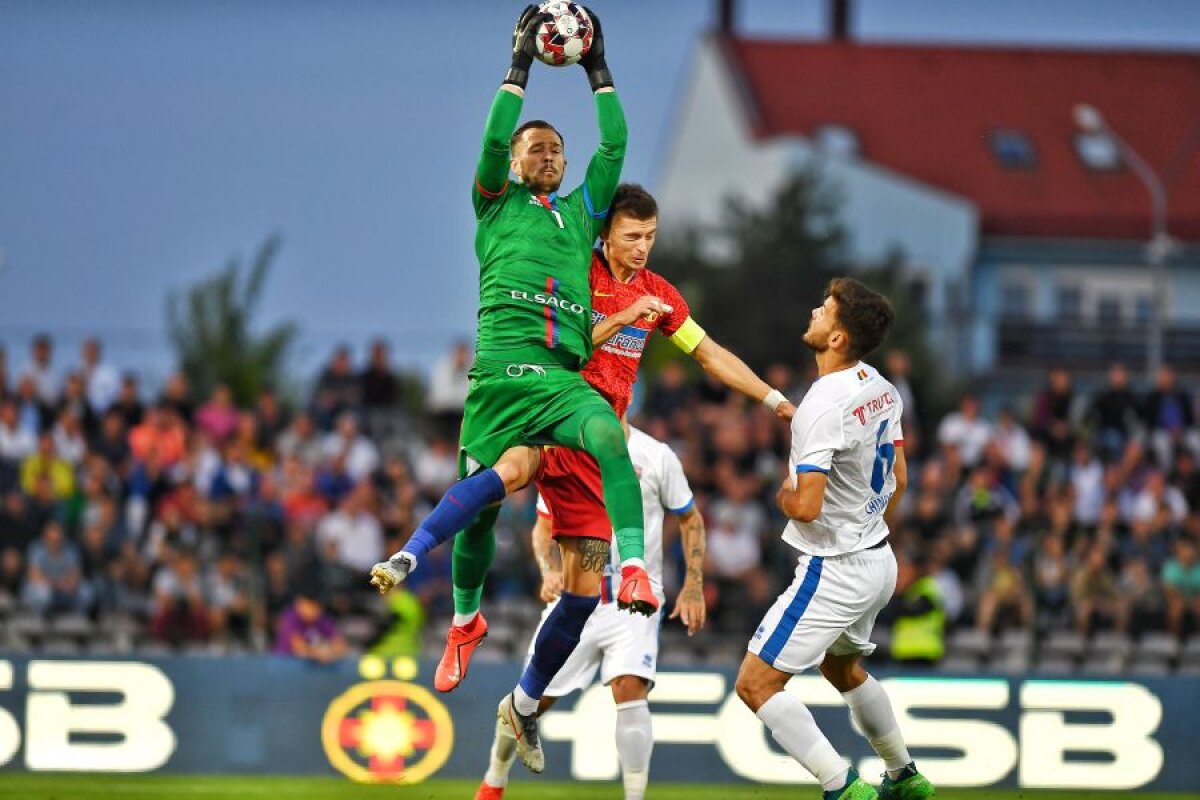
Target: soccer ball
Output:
[(566, 36)]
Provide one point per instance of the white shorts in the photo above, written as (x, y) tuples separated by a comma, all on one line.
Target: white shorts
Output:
[(617, 642), (829, 608)]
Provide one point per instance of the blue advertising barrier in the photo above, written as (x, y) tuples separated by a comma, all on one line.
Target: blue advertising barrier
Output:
[(382, 721)]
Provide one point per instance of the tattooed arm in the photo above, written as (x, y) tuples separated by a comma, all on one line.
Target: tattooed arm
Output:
[(548, 560), (689, 606)]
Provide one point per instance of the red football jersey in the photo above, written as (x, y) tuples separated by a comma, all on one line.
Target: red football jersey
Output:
[(613, 368), (568, 482)]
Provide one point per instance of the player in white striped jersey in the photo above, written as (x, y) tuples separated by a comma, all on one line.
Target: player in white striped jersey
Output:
[(623, 647), (847, 472)]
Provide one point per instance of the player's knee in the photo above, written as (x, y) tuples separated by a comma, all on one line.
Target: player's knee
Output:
[(517, 468), (843, 672), (627, 688), (603, 436), (752, 691)]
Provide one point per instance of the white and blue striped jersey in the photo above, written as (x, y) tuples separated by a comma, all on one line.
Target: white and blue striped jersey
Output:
[(847, 426)]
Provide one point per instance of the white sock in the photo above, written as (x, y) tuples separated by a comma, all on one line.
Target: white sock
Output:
[(635, 743), (872, 713), (464, 619), (524, 704), (792, 725), (504, 751)]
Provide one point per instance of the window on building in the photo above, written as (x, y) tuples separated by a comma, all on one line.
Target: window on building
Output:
[(1012, 149), (1098, 151), (1143, 308), (1069, 304), (1108, 309), (1014, 301), (839, 141)]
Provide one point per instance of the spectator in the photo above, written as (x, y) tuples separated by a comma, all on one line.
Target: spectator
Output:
[(301, 441), (919, 631), (360, 453), (1094, 596), (230, 598), (1167, 415), (46, 464), (1051, 579), (448, 389), (1004, 600), (307, 631), (180, 612), (161, 440), (336, 391), (68, 437), (965, 431), (897, 367), (1086, 475), (1159, 502), (219, 416), (16, 441), (103, 382), (671, 393), (1052, 415), (41, 370), (32, 414), (1181, 579), (1012, 445), (271, 417), (984, 498), (351, 537), (435, 467), (177, 394), (739, 585), (129, 402), (378, 387), (19, 526), (12, 574), (1114, 413), (54, 581), (1142, 602), (74, 399), (112, 442)]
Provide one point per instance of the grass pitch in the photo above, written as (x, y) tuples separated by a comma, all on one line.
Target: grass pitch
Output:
[(94, 787)]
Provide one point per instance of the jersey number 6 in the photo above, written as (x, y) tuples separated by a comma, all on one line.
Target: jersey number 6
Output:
[(885, 458)]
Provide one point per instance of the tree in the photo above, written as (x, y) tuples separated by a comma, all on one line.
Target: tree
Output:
[(777, 259), (211, 328)]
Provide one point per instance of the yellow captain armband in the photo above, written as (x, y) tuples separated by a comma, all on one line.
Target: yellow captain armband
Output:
[(689, 336)]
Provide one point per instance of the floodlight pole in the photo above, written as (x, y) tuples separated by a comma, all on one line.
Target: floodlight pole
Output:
[(1159, 248)]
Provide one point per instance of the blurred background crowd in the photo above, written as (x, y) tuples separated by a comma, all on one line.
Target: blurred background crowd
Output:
[(1060, 531)]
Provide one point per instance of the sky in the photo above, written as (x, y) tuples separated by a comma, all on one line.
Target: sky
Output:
[(144, 143)]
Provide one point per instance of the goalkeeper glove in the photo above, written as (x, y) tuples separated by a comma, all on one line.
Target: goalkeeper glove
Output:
[(524, 46), (597, 69)]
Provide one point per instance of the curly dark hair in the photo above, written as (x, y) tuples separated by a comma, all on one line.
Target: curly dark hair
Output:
[(866, 315)]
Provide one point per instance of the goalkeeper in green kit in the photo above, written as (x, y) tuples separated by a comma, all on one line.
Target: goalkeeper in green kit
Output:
[(534, 335)]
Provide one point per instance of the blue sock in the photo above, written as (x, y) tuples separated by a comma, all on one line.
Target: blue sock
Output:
[(556, 641), (462, 503)]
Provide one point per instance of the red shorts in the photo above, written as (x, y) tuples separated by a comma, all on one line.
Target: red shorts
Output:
[(569, 482)]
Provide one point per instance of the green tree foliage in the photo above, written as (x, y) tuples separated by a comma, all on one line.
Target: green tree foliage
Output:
[(211, 326), (752, 281)]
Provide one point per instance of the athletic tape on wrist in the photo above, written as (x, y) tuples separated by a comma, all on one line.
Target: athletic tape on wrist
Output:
[(774, 399)]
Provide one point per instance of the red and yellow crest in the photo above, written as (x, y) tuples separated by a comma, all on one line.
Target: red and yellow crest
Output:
[(387, 732)]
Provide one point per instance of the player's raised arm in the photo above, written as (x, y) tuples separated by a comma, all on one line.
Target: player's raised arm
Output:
[(604, 170), (734, 373), (491, 175)]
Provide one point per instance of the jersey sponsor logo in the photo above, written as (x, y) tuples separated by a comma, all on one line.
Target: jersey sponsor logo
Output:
[(873, 407), (553, 301), (629, 342)]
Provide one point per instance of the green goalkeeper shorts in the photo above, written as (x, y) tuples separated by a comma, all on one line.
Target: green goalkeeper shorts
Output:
[(517, 404)]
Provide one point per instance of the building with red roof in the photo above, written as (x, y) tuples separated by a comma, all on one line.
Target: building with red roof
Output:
[(1028, 232)]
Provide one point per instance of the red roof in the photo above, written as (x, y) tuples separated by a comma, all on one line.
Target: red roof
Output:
[(927, 111)]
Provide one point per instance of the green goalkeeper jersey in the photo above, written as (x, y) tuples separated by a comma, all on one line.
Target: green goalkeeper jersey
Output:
[(535, 251)]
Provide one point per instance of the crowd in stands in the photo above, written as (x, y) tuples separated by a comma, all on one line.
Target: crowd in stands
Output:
[(200, 521)]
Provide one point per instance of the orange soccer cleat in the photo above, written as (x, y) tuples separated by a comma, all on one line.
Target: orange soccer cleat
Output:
[(488, 792), (636, 594), (461, 641)]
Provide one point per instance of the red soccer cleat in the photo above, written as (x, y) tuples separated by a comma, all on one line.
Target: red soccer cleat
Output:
[(636, 594), (461, 641), (489, 792)]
